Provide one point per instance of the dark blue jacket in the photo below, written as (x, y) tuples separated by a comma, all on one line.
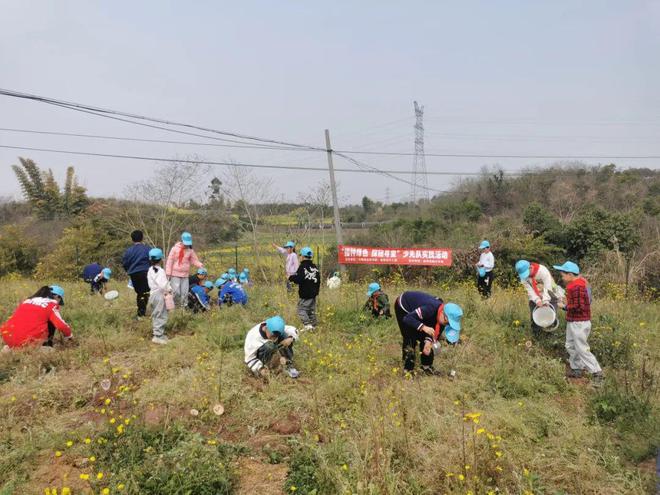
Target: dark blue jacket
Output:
[(202, 296), (236, 291), (420, 308), (136, 258), (91, 271)]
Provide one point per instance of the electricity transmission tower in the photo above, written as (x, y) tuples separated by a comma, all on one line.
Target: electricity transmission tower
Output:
[(419, 189)]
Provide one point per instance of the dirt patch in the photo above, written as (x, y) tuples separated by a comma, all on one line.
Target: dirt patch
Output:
[(52, 472), (260, 477), (287, 426)]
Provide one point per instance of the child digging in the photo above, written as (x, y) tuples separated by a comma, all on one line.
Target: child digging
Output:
[(159, 286), (309, 282), (378, 303), (578, 323), (269, 346)]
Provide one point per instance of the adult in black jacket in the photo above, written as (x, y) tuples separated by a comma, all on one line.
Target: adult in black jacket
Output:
[(308, 279)]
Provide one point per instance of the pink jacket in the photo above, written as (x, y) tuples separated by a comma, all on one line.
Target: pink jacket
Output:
[(292, 263), (178, 263)]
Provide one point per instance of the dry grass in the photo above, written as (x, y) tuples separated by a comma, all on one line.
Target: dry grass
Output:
[(508, 423)]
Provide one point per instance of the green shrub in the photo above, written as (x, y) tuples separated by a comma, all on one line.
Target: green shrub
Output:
[(172, 460)]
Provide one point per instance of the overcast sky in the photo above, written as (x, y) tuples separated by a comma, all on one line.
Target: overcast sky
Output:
[(507, 77)]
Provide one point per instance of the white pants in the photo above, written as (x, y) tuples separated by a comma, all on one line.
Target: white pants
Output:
[(158, 313), (579, 354), (180, 286)]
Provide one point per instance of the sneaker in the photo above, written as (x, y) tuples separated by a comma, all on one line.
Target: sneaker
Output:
[(292, 372), (6, 349), (574, 373), (430, 371), (597, 380), (308, 328), (160, 340)]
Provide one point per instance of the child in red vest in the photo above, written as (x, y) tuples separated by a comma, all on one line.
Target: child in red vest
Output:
[(578, 323)]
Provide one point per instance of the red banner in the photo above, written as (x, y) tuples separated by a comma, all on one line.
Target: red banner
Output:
[(360, 255)]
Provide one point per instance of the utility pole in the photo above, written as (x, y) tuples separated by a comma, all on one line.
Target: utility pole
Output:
[(335, 203)]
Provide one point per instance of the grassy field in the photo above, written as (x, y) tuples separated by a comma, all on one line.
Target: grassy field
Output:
[(509, 422)]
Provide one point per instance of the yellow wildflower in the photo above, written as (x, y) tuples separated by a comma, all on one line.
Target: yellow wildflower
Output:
[(84, 476), (99, 476), (58, 453), (69, 443), (88, 441)]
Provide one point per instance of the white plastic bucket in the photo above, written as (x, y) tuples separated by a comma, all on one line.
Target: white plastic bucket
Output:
[(111, 295), (544, 316)]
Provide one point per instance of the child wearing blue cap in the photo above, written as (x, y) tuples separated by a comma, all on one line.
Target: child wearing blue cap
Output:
[(96, 276), (198, 297), (198, 278), (578, 323), (378, 303), (292, 263), (485, 268), (422, 318), (231, 292), (548, 293), (308, 280), (269, 346)]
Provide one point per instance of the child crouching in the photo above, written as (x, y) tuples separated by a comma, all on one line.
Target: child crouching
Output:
[(269, 346), (378, 303)]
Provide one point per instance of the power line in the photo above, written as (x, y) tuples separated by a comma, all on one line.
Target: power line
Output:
[(471, 155), (105, 111), (363, 167), (145, 140), (241, 144)]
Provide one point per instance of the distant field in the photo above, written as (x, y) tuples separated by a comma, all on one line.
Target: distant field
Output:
[(508, 423)]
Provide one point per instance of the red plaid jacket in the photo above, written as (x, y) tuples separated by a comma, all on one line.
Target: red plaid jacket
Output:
[(578, 301)]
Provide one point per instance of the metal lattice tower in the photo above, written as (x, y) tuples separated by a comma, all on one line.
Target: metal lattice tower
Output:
[(419, 189)]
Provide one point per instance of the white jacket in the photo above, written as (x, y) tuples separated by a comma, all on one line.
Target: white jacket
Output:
[(158, 283), (487, 261), (546, 286), (254, 340)]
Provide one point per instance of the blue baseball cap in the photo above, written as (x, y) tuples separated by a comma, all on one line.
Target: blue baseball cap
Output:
[(290, 244), (57, 291), (156, 254), (186, 238), (275, 324), (222, 280), (107, 273), (484, 245), (202, 271), (568, 267), (208, 285), (454, 313), (452, 335), (522, 268), (373, 287), (306, 252)]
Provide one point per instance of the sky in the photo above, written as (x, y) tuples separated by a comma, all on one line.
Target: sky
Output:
[(495, 78)]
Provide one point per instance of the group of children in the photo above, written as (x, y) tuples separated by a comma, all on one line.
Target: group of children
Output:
[(543, 291), (424, 320)]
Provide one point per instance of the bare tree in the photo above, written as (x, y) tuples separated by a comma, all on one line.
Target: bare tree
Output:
[(317, 203), (156, 204), (247, 191)]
